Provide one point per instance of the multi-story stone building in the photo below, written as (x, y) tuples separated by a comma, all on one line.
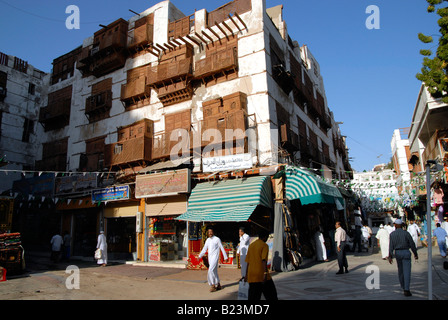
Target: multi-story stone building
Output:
[(21, 90), (116, 103)]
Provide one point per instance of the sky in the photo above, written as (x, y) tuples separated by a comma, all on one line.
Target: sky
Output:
[(369, 74)]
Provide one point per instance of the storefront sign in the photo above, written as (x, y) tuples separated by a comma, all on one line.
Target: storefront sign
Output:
[(75, 184), (225, 163), (162, 184), (111, 194)]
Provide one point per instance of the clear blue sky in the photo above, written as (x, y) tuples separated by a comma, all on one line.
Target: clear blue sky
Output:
[(369, 75)]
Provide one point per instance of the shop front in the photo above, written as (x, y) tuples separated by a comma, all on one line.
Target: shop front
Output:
[(165, 198), (120, 229), (81, 220), (227, 205), (315, 206)]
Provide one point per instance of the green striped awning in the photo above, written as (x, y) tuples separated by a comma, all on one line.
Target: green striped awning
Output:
[(228, 200), (310, 188)]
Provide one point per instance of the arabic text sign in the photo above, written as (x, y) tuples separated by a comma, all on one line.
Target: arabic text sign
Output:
[(162, 184), (224, 163), (111, 194)]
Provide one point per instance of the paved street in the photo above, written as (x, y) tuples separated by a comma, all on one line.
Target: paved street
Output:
[(315, 281)]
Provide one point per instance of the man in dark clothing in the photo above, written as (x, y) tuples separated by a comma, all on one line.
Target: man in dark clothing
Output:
[(401, 241)]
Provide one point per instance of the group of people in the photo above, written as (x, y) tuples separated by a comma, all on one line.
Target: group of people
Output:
[(253, 260), (61, 245)]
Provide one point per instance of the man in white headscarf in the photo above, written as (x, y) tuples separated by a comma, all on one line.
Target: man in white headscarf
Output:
[(102, 245), (243, 246), (213, 245), (414, 230), (383, 238)]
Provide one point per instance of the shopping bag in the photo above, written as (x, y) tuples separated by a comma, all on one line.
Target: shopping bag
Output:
[(98, 254), (243, 290)]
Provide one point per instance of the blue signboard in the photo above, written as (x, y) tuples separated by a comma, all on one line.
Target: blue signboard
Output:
[(111, 194)]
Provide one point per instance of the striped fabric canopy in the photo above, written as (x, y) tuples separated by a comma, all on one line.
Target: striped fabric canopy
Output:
[(228, 200), (310, 188)]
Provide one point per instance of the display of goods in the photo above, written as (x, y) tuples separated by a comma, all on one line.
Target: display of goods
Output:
[(10, 240)]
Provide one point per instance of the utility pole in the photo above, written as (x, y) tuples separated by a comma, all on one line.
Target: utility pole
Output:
[(428, 225), (436, 168)]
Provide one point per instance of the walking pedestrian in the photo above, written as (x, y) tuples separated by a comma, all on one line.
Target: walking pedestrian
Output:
[(340, 238), (415, 231), (400, 242), (445, 227), (213, 245), (67, 240), (102, 245), (258, 277), (56, 245), (389, 228), (243, 246), (441, 236), (383, 241), (321, 250)]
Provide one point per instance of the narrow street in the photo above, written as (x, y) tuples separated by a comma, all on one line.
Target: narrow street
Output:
[(314, 281)]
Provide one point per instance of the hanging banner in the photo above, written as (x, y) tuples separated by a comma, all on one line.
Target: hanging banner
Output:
[(111, 194)]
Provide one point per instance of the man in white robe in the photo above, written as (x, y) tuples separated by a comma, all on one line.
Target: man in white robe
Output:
[(321, 250), (213, 245), (102, 244), (383, 237), (414, 230), (243, 246)]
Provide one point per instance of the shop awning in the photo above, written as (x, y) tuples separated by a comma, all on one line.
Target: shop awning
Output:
[(228, 200), (310, 188)]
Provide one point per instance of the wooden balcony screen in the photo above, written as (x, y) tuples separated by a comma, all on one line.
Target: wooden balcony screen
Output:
[(99, 103), (64, 66), (129, 151), (143, 32), (217, 62), (142, 128), (57, 113), (54, 156), (222, 13), (163, 145), (180, 27), (114, 35)]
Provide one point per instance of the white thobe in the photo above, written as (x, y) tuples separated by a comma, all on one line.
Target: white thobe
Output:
[(242, 251), (414, 230), (102, 244), (383, 236), (213, 245), (321, 250), (444, 225)]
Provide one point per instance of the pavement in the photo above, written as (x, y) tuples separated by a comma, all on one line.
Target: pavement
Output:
[(369, 278)]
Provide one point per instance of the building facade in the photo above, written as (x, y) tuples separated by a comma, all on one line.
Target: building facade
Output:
[(211, 94)]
